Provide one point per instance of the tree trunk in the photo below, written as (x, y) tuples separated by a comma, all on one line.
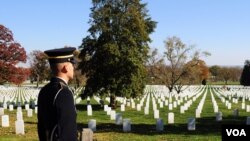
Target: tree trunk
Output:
[(37, 81), (112, 102)]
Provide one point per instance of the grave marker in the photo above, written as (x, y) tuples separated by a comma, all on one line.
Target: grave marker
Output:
[(219, 116), (122, 107), (30, 113), (19, 126), (159, 125), (11, 107), (170, 118), (87, 134), (118, 119), (5, 121), (19, 115), (112, 115), (92, 124), (126, 125), (89, 110), (156, 114), (191, 124)]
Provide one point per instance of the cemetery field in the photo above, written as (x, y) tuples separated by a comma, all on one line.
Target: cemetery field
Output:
[(203, 103)]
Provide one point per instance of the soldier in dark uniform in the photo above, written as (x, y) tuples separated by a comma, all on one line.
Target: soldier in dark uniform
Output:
[(56, 109)]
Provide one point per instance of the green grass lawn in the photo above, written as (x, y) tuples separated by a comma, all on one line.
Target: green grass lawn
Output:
[(143, 126)]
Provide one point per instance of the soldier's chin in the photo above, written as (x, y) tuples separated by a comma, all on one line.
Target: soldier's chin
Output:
[(71, 77)]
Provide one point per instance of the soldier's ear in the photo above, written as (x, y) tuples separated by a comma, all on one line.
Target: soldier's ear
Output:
[(64, 69)]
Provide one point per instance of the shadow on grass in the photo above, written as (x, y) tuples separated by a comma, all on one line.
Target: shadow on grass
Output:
[(204, 126), (30, 122)]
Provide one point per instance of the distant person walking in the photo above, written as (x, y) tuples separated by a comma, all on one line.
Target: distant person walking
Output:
[(56, 109)]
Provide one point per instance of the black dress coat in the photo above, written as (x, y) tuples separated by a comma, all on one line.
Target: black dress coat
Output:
[(56, 112)]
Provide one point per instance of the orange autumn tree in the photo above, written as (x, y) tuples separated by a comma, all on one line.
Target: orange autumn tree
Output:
[(21, 75), (198, 72), (11, 53)]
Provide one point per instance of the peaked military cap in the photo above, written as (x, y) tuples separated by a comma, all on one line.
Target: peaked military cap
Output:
[(61, 55)]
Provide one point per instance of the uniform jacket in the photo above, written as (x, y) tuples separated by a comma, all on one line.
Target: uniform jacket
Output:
[(56, 112)]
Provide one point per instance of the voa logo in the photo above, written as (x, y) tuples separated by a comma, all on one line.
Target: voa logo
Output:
[(236, 132)]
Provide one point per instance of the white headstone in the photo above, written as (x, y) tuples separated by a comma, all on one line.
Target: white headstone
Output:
[(105, 108), (166, 102), (219, 116), (156, 114), (27, 106), (161, 104), (138, 107), (19, 109), (5, 105), (30, 113), (216, 109), (154, 106), (133, 105), (146, 110), (170, 118), (19, 125), (191, 124), (243, 106), (170, 99), (89, 110), (11, 107), (118, 119), (112, 115), (229, 106), (126, 125), (159, 125), (108, 110), (88, 98), (182, 110), (5, 121), (92, 124), (128, 103), (36, 110), (198, 113), (175, 104), (19, 115), (170, 106), (122, 107), (248, 108)]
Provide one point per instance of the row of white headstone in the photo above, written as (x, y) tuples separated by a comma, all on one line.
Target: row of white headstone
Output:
[(199, 108), (228, 104), (18, 94), (126, 123), (171, 104), (112, 113), (19, 123)]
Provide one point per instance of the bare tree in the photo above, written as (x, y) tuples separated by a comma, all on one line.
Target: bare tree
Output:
[(229, 73), (39, 67), (172, 70)]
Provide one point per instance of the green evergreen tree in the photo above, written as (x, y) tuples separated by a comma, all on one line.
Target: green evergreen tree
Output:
[(245, 76), (115, 52)]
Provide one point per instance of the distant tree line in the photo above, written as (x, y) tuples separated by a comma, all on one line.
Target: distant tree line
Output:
[(225, 74)]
